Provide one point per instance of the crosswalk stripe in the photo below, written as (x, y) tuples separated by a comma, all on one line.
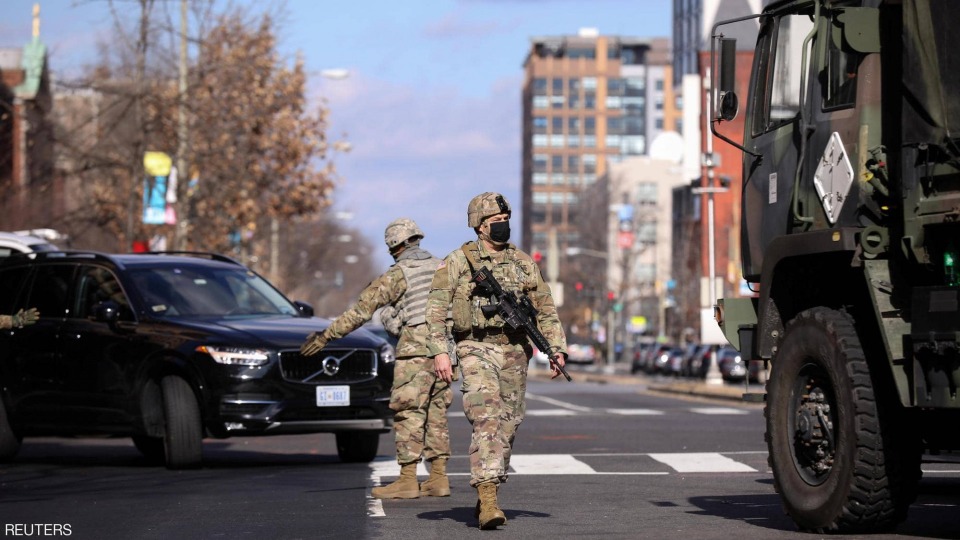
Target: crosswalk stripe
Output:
[(718, 410), (549, 412), (691, 462), (629, 412), (548, 464)]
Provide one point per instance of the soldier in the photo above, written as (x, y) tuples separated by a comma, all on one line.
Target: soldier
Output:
[(19, 319), (419, 398), (493, 357)]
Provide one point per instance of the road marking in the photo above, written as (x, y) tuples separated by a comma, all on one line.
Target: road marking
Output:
[(558, 403), (701, 462), (628, 412), (719, 410), (548, 464), (549, 412)]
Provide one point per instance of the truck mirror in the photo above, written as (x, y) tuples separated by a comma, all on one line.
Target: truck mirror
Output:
[(727, 104)]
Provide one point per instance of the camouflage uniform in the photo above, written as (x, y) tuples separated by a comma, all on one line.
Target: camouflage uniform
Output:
[(418, 397), (493, 358), (19, 319)]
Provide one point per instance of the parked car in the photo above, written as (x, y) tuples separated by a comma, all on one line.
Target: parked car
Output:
[(696, 361), (167, 349), (581, 353), (732, 367), (16, 243), (673, 362)]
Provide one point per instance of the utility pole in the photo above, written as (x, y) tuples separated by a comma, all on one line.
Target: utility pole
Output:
[(183, 176)]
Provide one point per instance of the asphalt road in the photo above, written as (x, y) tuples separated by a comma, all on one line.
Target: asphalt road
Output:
[(592, 459)]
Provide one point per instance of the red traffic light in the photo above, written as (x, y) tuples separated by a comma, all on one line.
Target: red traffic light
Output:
[(537, 257), (579, 286), (610, 295)]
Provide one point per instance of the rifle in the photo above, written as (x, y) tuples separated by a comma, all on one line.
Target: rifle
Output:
[(516, 310)]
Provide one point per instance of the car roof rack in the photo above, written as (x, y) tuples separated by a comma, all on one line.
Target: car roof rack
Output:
[(204, 254)]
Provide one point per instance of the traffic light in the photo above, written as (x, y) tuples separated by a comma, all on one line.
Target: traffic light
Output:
[(610, 295), (537, 257), (579, 286)]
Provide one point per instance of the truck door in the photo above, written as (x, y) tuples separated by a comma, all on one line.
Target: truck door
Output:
[(773, 131)]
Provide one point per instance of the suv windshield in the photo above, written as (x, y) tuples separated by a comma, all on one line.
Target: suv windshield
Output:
[(184, 291)]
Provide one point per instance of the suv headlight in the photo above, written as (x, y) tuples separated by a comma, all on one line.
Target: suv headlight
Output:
[(387, 354), (235, 356)]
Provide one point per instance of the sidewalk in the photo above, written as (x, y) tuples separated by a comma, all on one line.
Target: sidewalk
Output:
[(620, 374)]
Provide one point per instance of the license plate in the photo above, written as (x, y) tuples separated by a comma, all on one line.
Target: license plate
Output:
[(333, 396)]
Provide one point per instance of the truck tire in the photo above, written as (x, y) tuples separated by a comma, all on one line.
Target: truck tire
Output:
[(9, 440), (826, 431), (182, 433), (357, 446)]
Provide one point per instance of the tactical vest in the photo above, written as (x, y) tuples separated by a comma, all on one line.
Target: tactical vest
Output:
[(418, 274), (515, 274)]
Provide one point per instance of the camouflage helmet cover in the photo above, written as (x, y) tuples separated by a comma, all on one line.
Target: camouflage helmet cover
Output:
[(399, 231), (486, 205)]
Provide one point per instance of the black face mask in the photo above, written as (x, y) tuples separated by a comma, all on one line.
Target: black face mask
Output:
[(500, 231)]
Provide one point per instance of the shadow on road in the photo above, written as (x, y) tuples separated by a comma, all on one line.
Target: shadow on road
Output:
[(933, 515), (465, 515)]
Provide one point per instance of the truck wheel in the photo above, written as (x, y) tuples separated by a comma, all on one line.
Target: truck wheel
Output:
[(9, 440), (357, 446), (182, 434), (825, 434)]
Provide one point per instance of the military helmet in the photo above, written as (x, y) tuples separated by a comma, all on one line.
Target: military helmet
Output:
[(399, 231), (486, 205)]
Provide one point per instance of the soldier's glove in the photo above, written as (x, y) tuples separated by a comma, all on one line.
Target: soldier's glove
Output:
[(23, 318), (313, 344)]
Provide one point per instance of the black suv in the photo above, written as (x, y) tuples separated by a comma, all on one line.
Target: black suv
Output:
[(168, 348)]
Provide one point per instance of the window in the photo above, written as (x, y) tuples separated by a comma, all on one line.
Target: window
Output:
[(573, 102), (646, 193), (780, 46), (539, 124), (556, 163), (634, 87), (581, 53), (96, 285), (539, 141), (557, 125), (573, 86), (614, 102), (658, 85), (573, 124), (557, 87), (841, 72), (589, 141), (615, 125), (573, 141), (541, 102), (573, 163), (589, 125), (590, 84), (633, 145), (589, 163), (556, 141), (540, 178), (49, 291), (539, 86), (614, 87), (556, 102), (539, 162), (658, 103), (613, 141)]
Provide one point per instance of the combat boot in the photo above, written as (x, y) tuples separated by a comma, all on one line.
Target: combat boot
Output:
[(437, 485), (405, 487), (490, 515)]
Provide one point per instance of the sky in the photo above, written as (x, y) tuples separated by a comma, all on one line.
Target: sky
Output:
[(431, 105)]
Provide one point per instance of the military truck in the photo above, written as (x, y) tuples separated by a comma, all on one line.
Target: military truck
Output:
[(850, 235)]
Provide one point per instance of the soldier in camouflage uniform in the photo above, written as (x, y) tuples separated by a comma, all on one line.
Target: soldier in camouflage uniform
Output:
[(419, 398), (493, 356), (19, 319)]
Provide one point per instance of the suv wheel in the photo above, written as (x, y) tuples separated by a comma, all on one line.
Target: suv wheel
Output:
[(357, 446), (9, 441), (182, 434)]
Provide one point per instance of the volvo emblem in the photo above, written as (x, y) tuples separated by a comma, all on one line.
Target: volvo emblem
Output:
[(331, 365)]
